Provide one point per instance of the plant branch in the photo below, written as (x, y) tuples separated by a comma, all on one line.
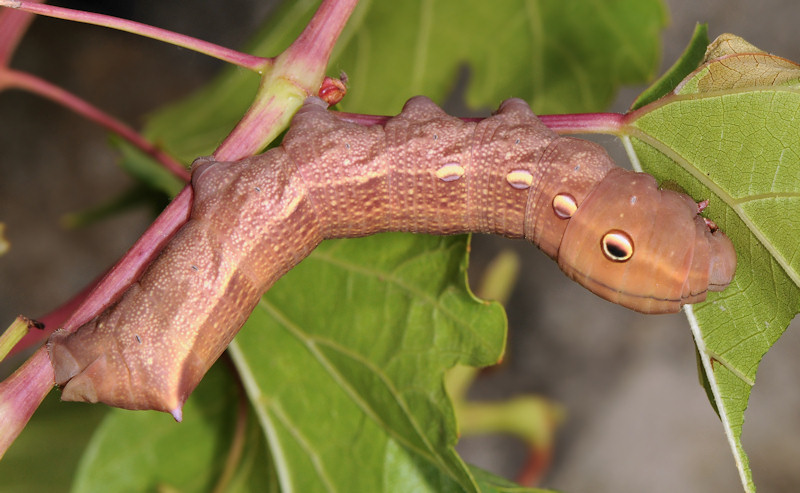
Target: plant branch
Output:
[(250, 62), (22, 80), (585, 123), (13, 25), (21, 394), (15, 332), (578, 123), (297, 73)]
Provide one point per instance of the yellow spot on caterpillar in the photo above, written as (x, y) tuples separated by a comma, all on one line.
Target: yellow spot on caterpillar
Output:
[(564, 205), (290, 208), (520, 178), (450, 172)]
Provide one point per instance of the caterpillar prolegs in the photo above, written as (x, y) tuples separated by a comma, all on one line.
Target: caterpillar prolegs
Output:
[(612, 230)]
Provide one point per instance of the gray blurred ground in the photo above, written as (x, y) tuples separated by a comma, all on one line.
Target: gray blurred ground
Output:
[(637, 418)]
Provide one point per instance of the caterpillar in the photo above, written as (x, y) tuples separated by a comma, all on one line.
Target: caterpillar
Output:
[(610, 229)]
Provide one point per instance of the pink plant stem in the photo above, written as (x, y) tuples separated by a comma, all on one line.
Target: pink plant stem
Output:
[(578, 123), (13, 25), (250, 62), (22, 80), (21, 394), (302, 66), (317, 40), (585, 123), (360, 119)]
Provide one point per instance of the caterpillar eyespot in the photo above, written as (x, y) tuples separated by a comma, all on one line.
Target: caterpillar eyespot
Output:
[(617, 246), (254, 219)]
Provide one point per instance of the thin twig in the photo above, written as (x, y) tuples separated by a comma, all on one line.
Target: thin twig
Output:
[(585, 123), (250, 62), (297, 73)]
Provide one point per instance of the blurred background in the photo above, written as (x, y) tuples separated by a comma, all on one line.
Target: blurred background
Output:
[(637, 420)]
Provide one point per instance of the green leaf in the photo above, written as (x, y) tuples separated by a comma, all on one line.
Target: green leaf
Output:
[(44, 457), (148, 451), (729, 134), (488, 482), (135, 196), (691, 57), (347, 353), (562, 56)]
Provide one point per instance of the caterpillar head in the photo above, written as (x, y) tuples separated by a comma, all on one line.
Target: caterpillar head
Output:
[(642, 247)]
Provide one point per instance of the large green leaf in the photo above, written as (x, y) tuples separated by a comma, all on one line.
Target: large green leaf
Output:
[(345, 406), (148, 451), (561, 56), (44, 457), (731, 133), (362, 346)]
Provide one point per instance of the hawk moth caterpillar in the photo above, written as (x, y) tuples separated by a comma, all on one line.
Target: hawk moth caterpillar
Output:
[(610, 229)]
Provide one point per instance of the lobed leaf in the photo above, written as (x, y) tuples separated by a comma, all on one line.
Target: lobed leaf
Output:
[(367, 361), (44, 457), (729, 132), (147, 451)]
